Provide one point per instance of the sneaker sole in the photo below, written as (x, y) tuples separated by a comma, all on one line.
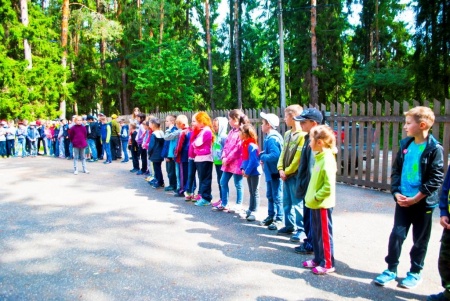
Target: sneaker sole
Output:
[(410, 287), (381, 283)]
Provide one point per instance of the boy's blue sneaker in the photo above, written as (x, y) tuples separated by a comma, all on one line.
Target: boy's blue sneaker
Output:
[(438, 297), (296, 236), (412, 280), (385, 277), (202, 202)]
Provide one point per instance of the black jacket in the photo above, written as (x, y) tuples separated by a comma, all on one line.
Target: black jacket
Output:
[(431, 170), (304, 169)]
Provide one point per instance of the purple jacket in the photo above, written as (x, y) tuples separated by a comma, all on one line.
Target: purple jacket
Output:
[(203, 142), (78, 136)]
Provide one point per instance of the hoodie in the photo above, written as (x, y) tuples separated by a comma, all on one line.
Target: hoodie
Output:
[(219, 141), (155, 146), (273, 145)]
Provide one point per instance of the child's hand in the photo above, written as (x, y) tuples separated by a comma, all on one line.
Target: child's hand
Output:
[(282, 175), (444, 222)]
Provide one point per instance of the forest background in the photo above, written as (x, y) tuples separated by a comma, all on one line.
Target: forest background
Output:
[(61, 57)]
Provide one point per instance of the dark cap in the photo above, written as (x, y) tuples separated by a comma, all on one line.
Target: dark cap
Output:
[(89, 117), (310, 114)]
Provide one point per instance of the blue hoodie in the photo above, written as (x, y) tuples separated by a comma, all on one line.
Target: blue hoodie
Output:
[(273, 145)]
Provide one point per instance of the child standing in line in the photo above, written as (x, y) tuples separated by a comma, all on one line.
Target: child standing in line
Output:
[(32, 136), (154, 152), (287, 167), (3, 139), (78, 137), (308, 120), (168, 153), (202, 147), (134, 148), (321, 199), (124, 137), (191, 184), (106, 136), (181, 152), (251, 168), (21, 139), (417, 174), (444, 252), (220, 125), (273, 144), (142, 153), (232, 161), (11, 139)]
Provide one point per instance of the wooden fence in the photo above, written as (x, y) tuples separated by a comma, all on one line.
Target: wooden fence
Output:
[(378, 127)]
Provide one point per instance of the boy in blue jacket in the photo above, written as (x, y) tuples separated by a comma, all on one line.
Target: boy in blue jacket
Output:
[(273, 144)]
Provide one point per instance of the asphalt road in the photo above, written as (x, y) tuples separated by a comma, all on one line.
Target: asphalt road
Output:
[(108, 235)]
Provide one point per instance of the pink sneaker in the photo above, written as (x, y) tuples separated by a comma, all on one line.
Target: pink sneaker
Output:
[(188, 197), (196, 197), (217, 204), (322, 271)]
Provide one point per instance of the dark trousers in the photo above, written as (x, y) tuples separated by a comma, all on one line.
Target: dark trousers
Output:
[(99, 147), (219, 173), (143, 157), (3, 148), (420, 218), (171, 173), (444, 262), (191, 184), (67, 153), (10, 149), (323, 245), (115, 147), (184, 173), (308, 229), (158, 173), (204, 171), (39, 141), (135, 158)]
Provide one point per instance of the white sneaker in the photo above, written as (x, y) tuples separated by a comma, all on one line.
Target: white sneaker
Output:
[(86, 171), (75, 172)]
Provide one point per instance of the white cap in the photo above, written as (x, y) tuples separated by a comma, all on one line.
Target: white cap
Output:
[(272, 119)]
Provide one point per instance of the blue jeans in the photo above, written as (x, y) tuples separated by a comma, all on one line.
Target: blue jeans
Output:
[(107, 149), (293, 206), (238, 179), (22, 143), (191, 184), (125, 150), (274, 196), (219, 173), (48, 146), (3, 148), (93, 148), (253, 186), (10, 148)]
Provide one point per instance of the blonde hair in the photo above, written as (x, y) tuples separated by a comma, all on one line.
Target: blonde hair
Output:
[(293, 110), (182, 119), (422, 114), (326, 134)]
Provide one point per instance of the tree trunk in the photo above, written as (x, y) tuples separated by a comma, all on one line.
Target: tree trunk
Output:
[(238, 52), (102, 59), (161, 21), (232, 54), (314, 79), (25, 21), (64, 33), (139, 18), (282, 74), (208, 43)]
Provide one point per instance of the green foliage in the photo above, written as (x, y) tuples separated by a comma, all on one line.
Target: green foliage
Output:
[(165, 76)]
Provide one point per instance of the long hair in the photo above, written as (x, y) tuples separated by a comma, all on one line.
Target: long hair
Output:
[(239, 115), (326, 134), (203, 118)]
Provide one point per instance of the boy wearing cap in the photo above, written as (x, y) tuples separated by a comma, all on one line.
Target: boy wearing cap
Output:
[(3, 139), (273, 144), (116, 149), (92, 137), (309, 118)]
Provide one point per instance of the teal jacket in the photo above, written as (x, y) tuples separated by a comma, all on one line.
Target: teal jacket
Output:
[(321, 192)]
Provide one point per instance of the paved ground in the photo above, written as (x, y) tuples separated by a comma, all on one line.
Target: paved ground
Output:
[(108, 236)]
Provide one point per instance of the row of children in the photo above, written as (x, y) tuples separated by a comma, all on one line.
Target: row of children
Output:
[(205, 146)]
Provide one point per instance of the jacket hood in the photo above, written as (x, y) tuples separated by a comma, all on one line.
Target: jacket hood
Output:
[(223, 124)]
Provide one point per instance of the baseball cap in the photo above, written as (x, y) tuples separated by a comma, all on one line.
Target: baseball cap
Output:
[(310, 114), (272, 119), (113, 116), (90, 117), (101, 114)]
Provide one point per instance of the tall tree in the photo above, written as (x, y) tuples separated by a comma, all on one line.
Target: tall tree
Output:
[(25, 21)]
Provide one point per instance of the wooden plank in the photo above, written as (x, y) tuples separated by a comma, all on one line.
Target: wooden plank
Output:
[(396, 128), (360, 139), (446, 135), (376, 167), (369, 142), (353, 140), (386, 126), (344, 149), (437, 125)]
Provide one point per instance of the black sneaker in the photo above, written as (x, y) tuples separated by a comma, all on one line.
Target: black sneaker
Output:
[(285, 231), (267, 221), (275, 225), (302, 250)]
